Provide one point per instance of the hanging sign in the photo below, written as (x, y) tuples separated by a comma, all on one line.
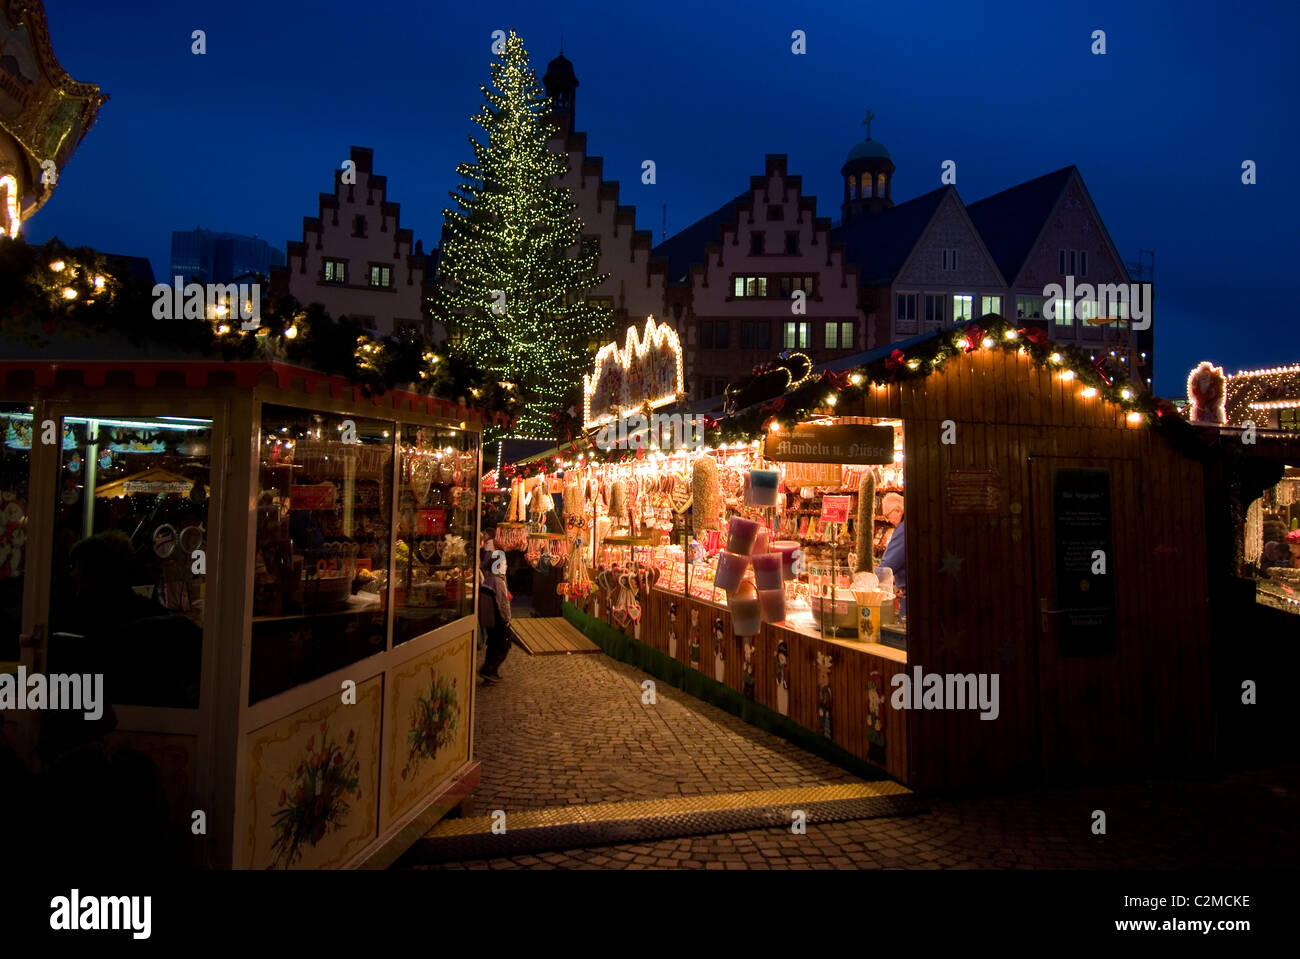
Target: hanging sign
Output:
[(1085, 563), (835, 509), (647, 371), (843, 444), (180, 487), (430, 522)]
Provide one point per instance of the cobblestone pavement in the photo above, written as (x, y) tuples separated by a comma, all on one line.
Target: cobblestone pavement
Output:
[(571, 729)]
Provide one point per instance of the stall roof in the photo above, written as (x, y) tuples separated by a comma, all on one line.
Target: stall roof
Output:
[(245, 374)]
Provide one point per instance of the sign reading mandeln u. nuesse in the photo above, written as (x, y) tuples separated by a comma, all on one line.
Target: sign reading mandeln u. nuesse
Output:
[(846, 443)]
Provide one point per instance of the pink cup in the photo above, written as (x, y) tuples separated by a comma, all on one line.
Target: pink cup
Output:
[(767, 570), (731, 567), (741, 534), (771, 605), (746, 618), (787, 549)]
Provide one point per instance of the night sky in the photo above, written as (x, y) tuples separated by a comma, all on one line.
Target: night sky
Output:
[(244, 138)]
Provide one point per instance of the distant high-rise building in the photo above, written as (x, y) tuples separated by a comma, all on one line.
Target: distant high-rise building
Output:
[(202, 256)]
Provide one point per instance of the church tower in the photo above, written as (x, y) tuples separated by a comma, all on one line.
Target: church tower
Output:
[(561, 86), (868, 179)]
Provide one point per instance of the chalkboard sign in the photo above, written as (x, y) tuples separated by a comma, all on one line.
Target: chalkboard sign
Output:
[(1085, 573)]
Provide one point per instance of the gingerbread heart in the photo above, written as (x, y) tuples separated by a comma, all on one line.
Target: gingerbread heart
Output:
[(420, 473), (426, 550)]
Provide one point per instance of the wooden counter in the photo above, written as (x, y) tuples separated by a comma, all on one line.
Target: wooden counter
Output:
[(838, 687)]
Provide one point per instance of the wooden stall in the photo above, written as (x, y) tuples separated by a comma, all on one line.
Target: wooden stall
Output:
[(1054, 541), (311, 698)]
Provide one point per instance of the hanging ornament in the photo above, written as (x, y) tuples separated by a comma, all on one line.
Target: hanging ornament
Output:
[(105, 459)]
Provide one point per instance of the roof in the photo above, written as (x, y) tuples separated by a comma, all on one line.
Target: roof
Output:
[(879, 245), (866, 149), (137, 267), (560, 70), (1009, 222), (1278, 385), (687, 247)]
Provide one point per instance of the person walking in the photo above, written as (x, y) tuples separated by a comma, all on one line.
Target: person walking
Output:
[(494, 617)]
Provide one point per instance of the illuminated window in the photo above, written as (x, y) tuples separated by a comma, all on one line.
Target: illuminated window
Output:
[(990, 304), (963, 306), (381, 276), (796, 336), (335, 271), (839, 335), (1029, 307), (880, 184), (832, 336)]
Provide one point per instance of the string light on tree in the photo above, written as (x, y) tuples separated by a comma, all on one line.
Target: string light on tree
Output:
[(514, 299)]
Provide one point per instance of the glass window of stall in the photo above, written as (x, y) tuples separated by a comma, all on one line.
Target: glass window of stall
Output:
[(130, 555), (15, 467), (321, 562), (435, 562)]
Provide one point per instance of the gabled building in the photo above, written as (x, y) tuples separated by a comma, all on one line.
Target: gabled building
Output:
[(1047, 229), (922, 266), (757, 276), (356, 259), (634, 288)]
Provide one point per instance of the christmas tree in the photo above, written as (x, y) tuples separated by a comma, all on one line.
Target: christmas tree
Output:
[(512, 275)]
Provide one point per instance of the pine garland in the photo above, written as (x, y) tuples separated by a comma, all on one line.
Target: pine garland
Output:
[(52, 291)]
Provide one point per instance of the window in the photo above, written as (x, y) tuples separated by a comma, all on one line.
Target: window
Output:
[(358, 226), (1069, 259), (905, 313), (747, 335), (590, 246), (1029, 307), (750, 286), (1061, 263), (145, 508), (381, 276), (1072, 255), (949, 258), (335, 271), (706, 334), (796, 336), (934, 310), (774, 211), (1087, 310), (839, 335), (880, 184), (792, 244), (1083, 262), (963, 306), (430, 518), (990, 304), (756, 244), (722, 335), (763, 335)]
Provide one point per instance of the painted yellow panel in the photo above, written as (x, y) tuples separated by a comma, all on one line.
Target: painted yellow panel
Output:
[(428, 722), (312, 784)]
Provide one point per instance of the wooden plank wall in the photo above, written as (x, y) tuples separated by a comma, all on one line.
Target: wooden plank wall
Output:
[(983, 617), (852, 668)]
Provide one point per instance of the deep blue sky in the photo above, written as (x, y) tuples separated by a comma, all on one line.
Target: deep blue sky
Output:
[(244, 138)]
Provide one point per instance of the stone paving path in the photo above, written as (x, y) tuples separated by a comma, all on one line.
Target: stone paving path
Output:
[(572, 729)]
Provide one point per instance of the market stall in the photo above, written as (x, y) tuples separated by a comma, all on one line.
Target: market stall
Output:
[(307, 553), (1023, 472)]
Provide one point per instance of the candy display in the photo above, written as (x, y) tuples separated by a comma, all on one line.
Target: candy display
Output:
[(866, 521), (706, 495)]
